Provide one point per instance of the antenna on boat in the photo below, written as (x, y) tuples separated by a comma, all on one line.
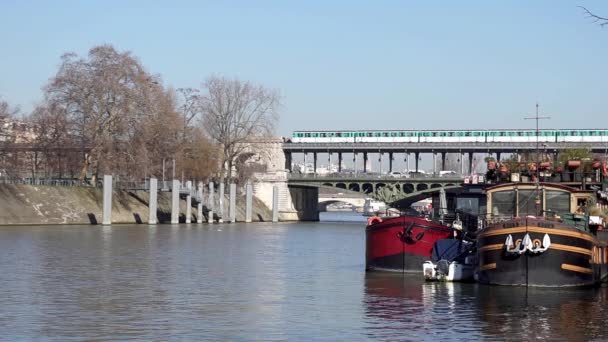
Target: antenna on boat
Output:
[(536, 117)]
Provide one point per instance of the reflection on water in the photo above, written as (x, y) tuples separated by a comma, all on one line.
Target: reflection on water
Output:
[(464, 311), (255, 282)]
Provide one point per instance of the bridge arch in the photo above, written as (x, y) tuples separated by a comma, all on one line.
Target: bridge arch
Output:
[(367, 188)]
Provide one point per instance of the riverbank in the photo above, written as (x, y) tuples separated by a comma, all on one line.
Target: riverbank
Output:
[(27, 204)]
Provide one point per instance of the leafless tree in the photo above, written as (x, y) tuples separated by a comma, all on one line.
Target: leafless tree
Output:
[(189, 108), (107, 98), (602, 21), (235, 112)]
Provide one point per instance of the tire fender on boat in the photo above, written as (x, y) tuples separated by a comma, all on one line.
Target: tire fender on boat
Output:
[(374, 220)]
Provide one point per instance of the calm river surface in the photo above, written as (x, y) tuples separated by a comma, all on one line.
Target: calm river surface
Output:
[(262, 282)]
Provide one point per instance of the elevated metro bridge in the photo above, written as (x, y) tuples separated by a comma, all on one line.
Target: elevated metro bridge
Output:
[(439, 147)]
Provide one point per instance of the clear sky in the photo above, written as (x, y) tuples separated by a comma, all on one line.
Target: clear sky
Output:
[(340, 64)]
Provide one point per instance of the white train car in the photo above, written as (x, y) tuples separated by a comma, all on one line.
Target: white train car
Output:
[(452, 136)]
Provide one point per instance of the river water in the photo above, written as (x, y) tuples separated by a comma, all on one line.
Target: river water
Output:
[(256, 282)]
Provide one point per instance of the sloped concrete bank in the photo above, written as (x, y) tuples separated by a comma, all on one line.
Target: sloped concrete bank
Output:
[(27, 204)]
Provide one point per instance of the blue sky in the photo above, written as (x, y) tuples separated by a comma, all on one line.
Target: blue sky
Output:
[(340, 64)]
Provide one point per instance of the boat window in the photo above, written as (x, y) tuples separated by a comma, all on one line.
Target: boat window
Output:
[(557, 201), (503, 203), (526, 203)]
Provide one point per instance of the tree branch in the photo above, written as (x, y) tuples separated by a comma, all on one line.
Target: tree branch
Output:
[(596, 19)]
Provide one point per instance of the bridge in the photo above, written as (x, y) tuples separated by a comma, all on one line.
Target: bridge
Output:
[(395, 191), (359, 149)]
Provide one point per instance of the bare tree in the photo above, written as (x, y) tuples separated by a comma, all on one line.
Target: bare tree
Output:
[(107, 99), (235, 112), (602, 21), (189, 108)]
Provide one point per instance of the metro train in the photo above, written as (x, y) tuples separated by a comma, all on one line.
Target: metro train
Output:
[(447, 136)]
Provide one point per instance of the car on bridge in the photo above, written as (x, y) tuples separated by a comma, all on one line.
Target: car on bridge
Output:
[(396, 174)]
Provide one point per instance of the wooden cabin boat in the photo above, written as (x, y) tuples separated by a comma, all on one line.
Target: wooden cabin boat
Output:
[(539, 235)]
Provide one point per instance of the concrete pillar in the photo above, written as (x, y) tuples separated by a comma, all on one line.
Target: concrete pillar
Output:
[(107, 200), (175, 201), (339, 161), (390, 162), (153, 202), (248, 202), (220, 210), (211, 203), (314, 162), (275, 203), (498, 157), (232, 203), (305, 167), (461, 163), (417, 156), (355, 162), (189, 202), (364, 162), (442, 161), (434, 163), (199, 206), (407, 161), (380, 161), (328, 161), (470, 163), (288, 161)]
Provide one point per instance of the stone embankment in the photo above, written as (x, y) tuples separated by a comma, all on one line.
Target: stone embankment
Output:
[(27, 204)]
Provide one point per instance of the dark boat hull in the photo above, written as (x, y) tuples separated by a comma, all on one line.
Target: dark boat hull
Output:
[(573, 257), (402, 244)]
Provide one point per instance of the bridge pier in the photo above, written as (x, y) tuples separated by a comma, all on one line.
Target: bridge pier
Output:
[(175, 202), (153, 201), (364, 162), (434, 163), (470, 163), (461, 163), (442, 161), (417, 155), (390, 162), (339, 161), (107, 200), (498, 157), (314, 155)]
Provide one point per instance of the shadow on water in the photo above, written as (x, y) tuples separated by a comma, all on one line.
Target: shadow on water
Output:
[(396, 303)]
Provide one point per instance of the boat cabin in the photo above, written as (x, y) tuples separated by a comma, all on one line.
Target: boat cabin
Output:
[(549, 200)]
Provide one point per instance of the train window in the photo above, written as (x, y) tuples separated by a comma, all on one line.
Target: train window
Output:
[(467, 134), (307, 135)]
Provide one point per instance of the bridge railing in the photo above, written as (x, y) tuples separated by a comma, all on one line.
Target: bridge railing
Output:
[(49, 182), (120, 185)]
